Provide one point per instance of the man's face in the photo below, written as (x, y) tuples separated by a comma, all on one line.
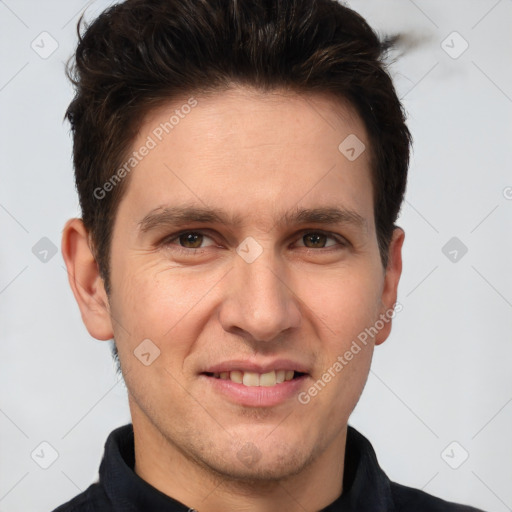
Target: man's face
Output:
[(263, 289)]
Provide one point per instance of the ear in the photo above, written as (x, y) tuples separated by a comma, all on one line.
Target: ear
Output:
[(85, 281), (391, 279)]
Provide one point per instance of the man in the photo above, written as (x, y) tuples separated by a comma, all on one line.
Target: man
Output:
[(240, 166)]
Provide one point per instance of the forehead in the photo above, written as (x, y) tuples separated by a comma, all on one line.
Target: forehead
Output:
[(256, 154)]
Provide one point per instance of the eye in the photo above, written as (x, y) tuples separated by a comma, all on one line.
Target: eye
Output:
[(320, 240), (188, 240)]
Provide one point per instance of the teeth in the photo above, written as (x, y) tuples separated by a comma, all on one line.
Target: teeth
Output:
[(268, 379), (257, 379), (251, 379), (237, 376)]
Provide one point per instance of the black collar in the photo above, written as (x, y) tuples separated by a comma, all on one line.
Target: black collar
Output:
[(365, 485)]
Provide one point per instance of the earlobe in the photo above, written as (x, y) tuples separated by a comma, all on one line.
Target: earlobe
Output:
[(391, 280), (85, 280)]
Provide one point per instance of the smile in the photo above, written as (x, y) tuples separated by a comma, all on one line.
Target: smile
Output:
[(249, 388), (251, 379)]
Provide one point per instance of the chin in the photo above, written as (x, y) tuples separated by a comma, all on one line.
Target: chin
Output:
[(248, 464)]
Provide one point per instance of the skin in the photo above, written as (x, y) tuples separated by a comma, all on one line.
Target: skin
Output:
[(259, 156)]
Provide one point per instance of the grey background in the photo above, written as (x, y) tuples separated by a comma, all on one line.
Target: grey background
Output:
[(443, 376)]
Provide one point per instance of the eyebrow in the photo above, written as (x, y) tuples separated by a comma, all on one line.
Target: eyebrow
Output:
[(182, 215)]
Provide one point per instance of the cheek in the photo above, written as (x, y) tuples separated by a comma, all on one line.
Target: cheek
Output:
[(343, 301), (162, 306), (159, 302), (342, 308)]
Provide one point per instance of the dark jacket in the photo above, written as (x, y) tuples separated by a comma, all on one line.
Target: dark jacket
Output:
[(366, 488)]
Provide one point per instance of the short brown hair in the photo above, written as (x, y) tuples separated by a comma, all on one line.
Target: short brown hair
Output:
[(140, 54)]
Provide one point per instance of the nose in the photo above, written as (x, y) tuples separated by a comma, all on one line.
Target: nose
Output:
[(259, 303)]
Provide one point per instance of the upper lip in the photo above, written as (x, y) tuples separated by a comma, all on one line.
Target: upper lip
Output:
[(245, 365)]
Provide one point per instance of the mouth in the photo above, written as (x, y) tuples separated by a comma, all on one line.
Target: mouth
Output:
[(254, 379), (256, 385)]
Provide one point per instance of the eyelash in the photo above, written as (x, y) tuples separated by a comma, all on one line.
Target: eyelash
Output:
[(167, 241)]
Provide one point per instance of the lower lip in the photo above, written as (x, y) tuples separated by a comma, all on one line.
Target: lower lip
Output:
[(257, 396)]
